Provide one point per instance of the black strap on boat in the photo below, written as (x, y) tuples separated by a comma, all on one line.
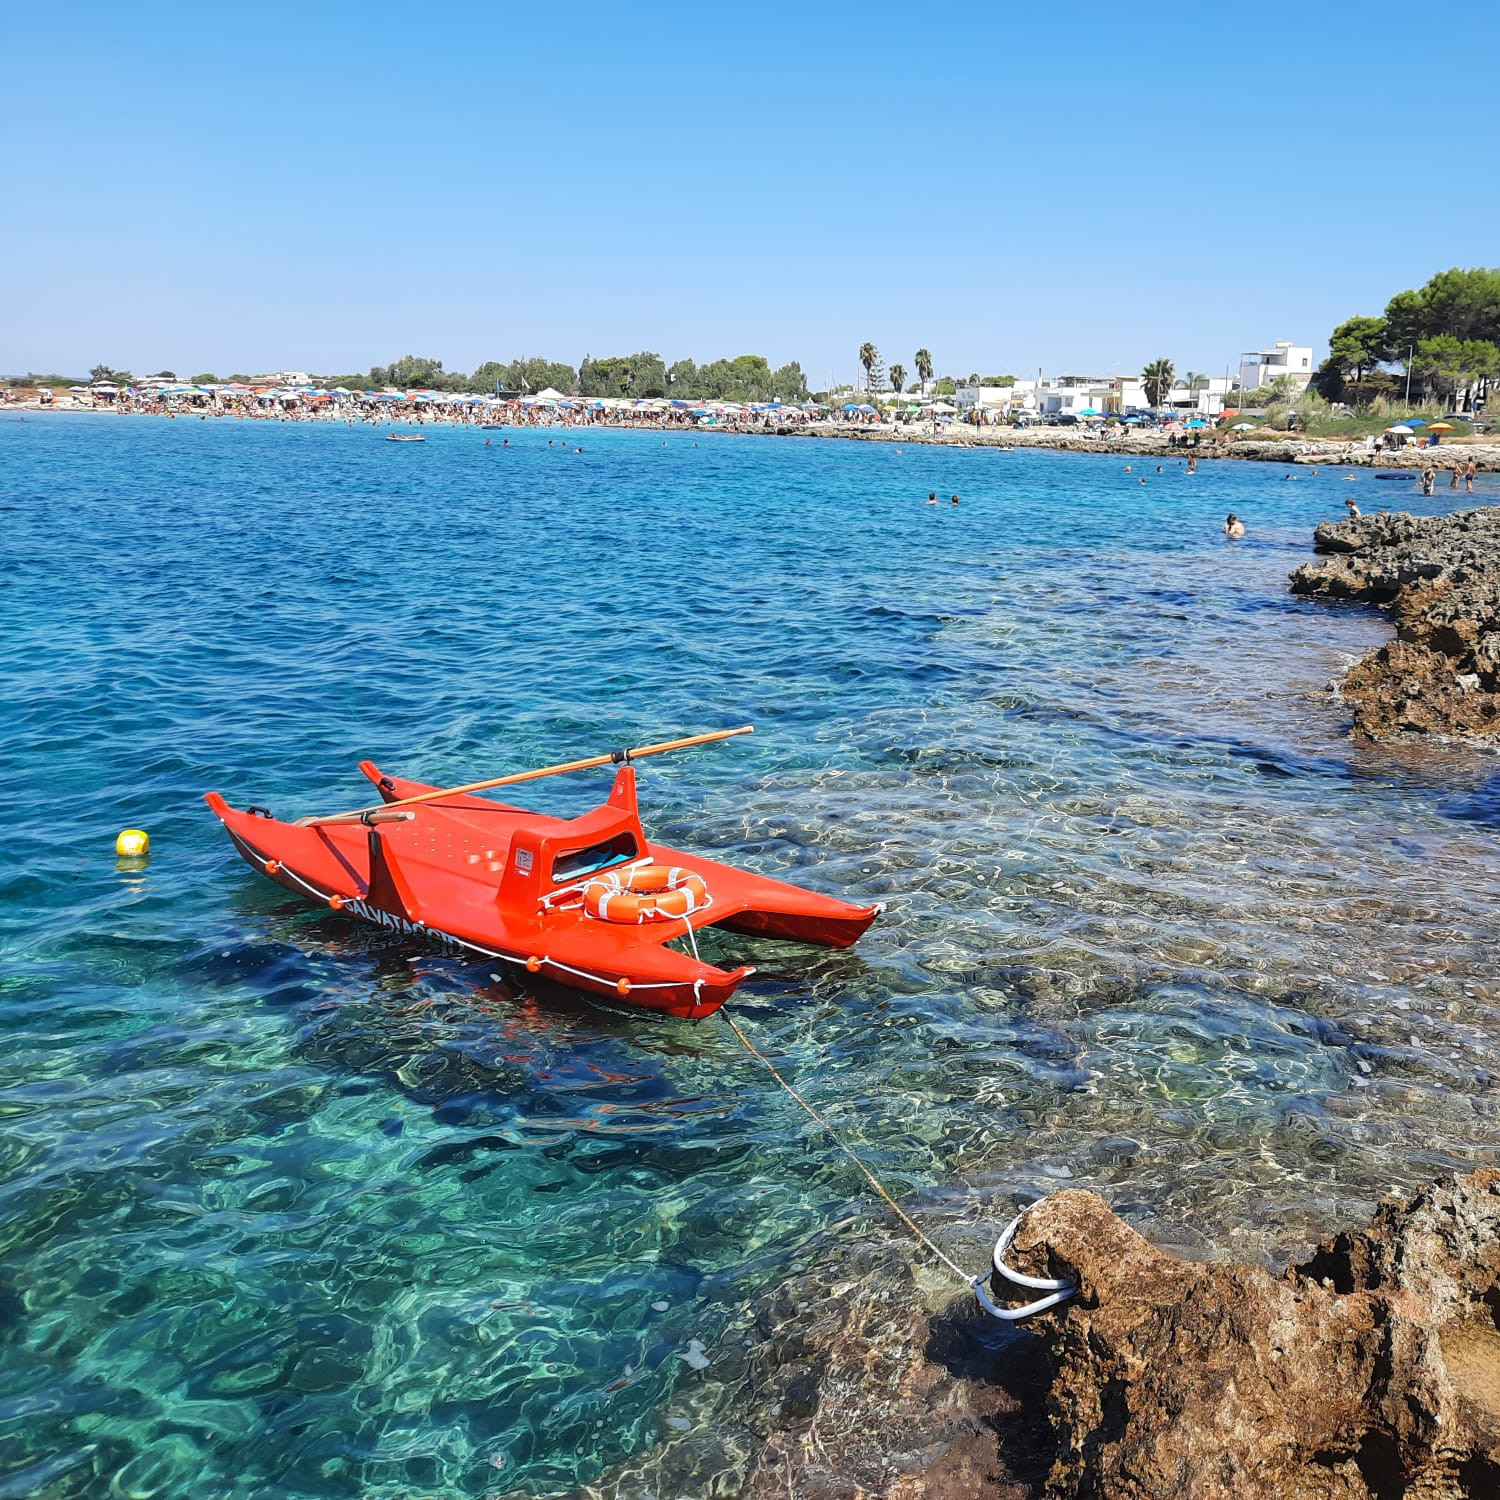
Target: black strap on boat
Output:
[(386, 784), (259, 812), (620, 756)]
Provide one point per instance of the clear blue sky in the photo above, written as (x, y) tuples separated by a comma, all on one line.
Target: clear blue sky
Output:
[(242, 186)]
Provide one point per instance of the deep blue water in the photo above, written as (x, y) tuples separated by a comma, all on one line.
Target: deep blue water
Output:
[(288, 1208)]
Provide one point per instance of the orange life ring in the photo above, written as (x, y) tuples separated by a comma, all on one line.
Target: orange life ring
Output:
[(645, 893)]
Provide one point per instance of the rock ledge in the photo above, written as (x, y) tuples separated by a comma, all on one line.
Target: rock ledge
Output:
[(1371, 1370), (1440, 577)]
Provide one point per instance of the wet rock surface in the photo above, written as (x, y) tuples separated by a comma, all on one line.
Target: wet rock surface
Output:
[(1440, 578), (1370, 1370), (868, 1393), (861, 1377)]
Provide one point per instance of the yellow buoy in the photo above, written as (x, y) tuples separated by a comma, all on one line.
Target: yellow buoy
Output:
[(132, 843)]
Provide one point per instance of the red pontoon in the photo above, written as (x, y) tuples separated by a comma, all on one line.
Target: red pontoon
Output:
[(588, 902)]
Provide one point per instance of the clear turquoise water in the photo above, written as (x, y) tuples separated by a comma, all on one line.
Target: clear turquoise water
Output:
[(286, 1208)]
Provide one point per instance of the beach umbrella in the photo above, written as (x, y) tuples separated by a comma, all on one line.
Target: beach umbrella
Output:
[(1400, 429), (1088, 411), (1243, 427), (1416, 422), (1441, 427), (1196, 423)]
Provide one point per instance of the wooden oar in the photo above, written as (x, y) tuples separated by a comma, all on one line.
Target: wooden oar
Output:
[(358, 814)]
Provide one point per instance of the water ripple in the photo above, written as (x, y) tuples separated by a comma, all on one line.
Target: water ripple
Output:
[(288, 1207)]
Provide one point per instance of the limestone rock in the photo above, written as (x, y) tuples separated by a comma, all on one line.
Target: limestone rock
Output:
[(1440, 576), (1370, 1371)]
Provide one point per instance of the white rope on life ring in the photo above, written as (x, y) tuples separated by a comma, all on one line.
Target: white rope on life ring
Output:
[(645, 893)]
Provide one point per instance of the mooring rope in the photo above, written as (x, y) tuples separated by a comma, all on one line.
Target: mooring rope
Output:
[(1060, 1291), (848, 1151)]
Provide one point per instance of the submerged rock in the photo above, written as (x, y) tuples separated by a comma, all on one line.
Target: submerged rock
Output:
[(1440, 576), (858, 1391), (1371, 1370)]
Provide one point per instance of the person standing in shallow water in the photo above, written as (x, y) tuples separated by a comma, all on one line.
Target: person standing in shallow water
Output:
[(1429, 479), (1233, 526)]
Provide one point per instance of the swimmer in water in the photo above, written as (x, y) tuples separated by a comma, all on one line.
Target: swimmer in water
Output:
[(1352, 508), (932, 497), (955, 499), (1233, 526)]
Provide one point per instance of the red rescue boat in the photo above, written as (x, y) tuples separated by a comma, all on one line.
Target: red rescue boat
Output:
[(588, 902)]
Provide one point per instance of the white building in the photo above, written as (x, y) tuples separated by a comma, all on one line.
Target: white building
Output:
[(1261, 366), (1207, 397), (991, 399)]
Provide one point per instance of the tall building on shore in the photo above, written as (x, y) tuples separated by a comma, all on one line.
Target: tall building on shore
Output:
[(1261, 366)]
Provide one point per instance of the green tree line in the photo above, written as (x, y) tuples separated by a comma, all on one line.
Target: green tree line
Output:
[(748, 377), (1445, 338)]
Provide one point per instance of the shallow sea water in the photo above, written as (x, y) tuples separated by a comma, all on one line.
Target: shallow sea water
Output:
[(289, 1208)]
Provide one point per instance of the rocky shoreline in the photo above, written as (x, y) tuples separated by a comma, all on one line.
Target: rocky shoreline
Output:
[(1368, 1370), (1318, 452), (1439, 576)]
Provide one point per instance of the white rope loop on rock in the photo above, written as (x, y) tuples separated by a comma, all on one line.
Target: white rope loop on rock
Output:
[(1061, 1290)]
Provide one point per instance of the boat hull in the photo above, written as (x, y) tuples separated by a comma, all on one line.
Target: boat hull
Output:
[(500, 882)]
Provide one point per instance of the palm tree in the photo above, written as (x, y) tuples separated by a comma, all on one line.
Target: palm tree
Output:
[(869, 357), (1158, 380), (923, 362), (898, 378), (1194, 378)]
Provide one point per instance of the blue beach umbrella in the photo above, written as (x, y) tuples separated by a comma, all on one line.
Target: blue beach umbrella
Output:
[(1415, 422)]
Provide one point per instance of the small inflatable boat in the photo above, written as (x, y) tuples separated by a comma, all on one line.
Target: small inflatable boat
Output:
[(409, 437), (587, 902)]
